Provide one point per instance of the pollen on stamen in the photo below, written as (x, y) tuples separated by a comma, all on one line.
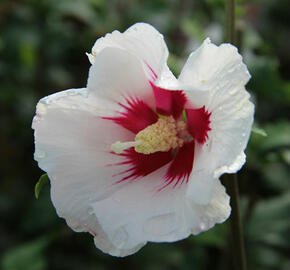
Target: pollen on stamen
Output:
[(161, 136)]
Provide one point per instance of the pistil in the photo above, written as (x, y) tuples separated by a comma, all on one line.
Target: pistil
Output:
[(118, 147)]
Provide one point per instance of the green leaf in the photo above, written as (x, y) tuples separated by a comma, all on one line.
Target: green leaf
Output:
[(43, 180), (259, 131)]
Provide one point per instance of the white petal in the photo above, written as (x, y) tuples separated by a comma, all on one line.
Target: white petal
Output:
[(231, 128), (232, 168), (213, 68), (71, 145), (115, 75), (142, 40), (221, 75), (200, 187), (223, 152), (217, 211), (137, 214)]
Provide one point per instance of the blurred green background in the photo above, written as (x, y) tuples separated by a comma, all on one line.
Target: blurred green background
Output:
[(42, 50)]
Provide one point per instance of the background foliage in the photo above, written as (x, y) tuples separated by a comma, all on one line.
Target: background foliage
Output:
[(42, 50)]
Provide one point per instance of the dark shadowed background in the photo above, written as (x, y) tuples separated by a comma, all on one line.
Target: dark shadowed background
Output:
[(42, 50)]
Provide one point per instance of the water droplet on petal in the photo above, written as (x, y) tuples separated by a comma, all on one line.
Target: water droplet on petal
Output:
[(202, 226), (232, 91), (91, 211), (39, 154)]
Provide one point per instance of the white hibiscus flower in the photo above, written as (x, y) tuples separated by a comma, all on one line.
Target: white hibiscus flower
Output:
[(136, 155)]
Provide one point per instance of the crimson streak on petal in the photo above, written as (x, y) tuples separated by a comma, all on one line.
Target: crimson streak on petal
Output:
[(142, 165), (169, 102), (198, 124), (181, 167), (137, 115)]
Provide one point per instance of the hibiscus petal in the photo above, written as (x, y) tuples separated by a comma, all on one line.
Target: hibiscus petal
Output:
[(231, 128), (113, 82), (227, 139), (145, 215), (169, 102), (142, 40), (71, 145), (215, 68), (165, 216), (123, 217), (203, 217)]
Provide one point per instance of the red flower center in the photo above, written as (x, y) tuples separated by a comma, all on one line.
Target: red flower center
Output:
[(138, 116)]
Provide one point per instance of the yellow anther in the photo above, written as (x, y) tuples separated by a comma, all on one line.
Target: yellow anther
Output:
[(160, 136)]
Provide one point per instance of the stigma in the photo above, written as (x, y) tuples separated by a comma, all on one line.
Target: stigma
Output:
[(162, 136)]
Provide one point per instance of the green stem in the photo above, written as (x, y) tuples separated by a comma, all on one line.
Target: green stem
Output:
[(231, 21), (239, 258), (232, 180)]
